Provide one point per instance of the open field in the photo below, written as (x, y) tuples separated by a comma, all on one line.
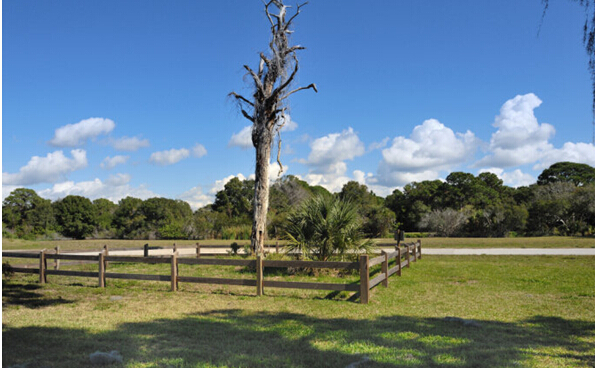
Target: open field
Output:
[(523, 311), (97, 244)]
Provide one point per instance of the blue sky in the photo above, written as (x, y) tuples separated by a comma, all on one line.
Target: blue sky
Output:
[(111, 98)]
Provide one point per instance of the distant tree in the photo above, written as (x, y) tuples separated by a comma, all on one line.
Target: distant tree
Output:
[(325, 227), (128, 219), (75, 216), (105, 210), (235, 200), (578, 174), (444, 222), (26, 212), (266, 111)]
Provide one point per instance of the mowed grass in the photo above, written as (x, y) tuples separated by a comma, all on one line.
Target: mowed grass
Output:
[(97, 244), (533, 311)]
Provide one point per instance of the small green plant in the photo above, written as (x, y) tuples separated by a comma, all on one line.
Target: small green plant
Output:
[(234, 248)]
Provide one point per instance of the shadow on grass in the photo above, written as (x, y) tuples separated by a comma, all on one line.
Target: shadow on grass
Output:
[(236, 338), (24, 295)]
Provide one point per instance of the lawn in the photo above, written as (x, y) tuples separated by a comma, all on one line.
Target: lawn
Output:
[(97, 244), (533, 311)]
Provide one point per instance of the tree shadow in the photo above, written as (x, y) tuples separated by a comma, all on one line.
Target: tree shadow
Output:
[(23, 294), (237, 338)]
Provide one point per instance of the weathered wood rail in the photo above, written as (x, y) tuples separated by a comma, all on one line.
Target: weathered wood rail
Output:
[(401, 258)]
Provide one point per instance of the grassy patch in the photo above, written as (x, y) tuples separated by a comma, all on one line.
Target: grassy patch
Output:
[(529, 312), (534, 242)]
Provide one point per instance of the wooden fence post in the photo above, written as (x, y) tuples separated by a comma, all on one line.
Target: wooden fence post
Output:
[(174, 271), (197, 250), (399, 273), (407, 256), (277, 246), (57, 261), (146, 250), (364, 279), (385, 269), (175, 248), (42, 267), (419, 247), (259, 288), (415, 252), (106, 251), (101, 270)]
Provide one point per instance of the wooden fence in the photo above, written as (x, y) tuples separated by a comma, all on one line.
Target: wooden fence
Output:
[(402, 256)]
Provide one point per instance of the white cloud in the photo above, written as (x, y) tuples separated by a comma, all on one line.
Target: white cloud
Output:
[(520, 138), (109, 163), (328, 153), (76, 134), (431, 148), (196, 198), (170, 157), (379, 145), (582, 153), (129, 144), (48, 169), (243, 139), (7, 189), (290, 125), (114, 189), (199, 150), (513, 179)]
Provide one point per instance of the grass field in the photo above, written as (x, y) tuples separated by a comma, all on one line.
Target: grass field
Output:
[(538, 242), (527, 312)]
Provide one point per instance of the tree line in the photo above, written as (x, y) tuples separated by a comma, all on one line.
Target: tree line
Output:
[(562, 201)]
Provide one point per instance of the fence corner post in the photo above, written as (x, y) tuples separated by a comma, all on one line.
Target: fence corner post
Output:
[(174, 271), (385, 269), (42, 267), (146, 250), (364, 277), (101, 273), (259, 282)]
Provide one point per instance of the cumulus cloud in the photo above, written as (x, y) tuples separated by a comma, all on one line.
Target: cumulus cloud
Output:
[(513, 179), (129, 144), (290, 125), (327, 159), (72, 135), (196, 198), (49, 169), (114, 189), (520, 138), (431, 148), (328, 153), (170, 157), (220, 184), (199, 150), (243, 139), (582, 153), (109, 163)]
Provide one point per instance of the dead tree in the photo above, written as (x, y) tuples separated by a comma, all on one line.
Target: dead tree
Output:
[(266, 110)]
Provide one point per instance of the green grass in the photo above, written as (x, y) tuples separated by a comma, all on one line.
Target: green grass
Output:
[(534, 312), (97, 244)]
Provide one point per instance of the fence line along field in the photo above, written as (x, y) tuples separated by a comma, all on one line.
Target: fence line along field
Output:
[(411, 252)]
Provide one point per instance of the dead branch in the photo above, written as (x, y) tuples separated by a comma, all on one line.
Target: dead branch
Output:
[(242, 98), (311, 85), (257, 81)]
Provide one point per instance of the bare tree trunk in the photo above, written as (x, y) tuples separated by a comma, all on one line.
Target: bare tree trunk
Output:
[(261, 192), (271, 83)]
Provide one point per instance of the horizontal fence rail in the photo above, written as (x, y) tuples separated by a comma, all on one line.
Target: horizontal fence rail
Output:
[(404, 255)]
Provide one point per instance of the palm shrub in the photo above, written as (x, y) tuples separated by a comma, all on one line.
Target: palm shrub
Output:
[(326, 227)]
